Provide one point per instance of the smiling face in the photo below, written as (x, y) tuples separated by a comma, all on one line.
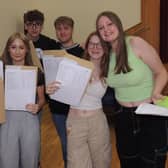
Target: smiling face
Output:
[(64, 33), (33, 29), (17, 51), (95, 49), (107, 29)]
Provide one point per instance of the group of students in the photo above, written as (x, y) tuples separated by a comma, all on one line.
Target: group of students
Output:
[(64, 25), (127, 63)]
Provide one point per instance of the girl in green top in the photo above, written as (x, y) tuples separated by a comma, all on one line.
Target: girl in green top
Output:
[(138, 76)]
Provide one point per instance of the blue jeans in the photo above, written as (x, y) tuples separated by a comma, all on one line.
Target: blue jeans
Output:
[(59, 114), (60, 124), (141, 139)]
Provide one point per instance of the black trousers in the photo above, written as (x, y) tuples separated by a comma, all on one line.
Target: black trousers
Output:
[(141, 139)]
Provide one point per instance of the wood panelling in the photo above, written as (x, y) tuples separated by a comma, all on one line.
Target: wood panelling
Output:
[(51, 154), (149, 27)]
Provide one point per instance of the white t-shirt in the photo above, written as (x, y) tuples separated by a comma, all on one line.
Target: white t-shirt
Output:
[(92, 99)]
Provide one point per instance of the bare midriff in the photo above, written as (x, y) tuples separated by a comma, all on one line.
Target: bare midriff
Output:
[(135, 104), (82, 112)]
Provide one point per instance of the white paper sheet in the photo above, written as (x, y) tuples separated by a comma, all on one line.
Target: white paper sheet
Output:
[(50, 64), (1, 70), (20, 87), (39, 53), (73, 77), (151, 109)]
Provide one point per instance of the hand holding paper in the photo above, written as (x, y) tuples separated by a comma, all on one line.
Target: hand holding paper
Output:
[(20, 86), (33, 108), (151, 109), (52, 87), (73, 74)]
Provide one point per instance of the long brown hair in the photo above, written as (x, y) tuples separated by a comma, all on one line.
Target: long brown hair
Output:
[(121, 53), (6, 55), (105, 58)]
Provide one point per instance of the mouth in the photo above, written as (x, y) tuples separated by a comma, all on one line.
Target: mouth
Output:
[(34, 32), (95, 53), (17, 56)]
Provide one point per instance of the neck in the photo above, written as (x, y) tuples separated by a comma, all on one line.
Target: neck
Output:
[(96, 63), (68, 43), (18, 63), (96, 70), (34, 39), (114, 45)]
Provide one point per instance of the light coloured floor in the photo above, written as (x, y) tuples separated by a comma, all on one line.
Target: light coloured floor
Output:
[(51, 156)]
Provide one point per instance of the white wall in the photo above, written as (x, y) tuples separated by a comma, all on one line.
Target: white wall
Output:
[(83, 12)]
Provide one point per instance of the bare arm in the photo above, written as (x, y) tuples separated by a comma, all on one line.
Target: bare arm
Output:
[(150, 57), (41, 96)]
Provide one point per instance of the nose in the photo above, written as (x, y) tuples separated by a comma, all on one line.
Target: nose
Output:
[(105, 28), (17, 50), (34, 26), (95, 46)]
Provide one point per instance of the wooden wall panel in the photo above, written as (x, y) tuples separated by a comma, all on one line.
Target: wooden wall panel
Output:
[(149, 27)]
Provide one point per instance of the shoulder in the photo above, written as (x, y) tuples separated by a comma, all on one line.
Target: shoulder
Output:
[(49, 42), (138, 42), (42, 36), (79, 48), (76, 50), (46, 38), (140, 46)]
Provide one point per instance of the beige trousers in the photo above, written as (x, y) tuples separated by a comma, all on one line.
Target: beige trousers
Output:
[(89, 144)]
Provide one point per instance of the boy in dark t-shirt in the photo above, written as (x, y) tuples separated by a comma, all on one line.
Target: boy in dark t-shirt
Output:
[(33, 25)]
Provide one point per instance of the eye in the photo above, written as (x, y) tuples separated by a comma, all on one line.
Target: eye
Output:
[(110, 24), (12, 47), (22, 48), (66, 28), (58, 28), (100, 28), (38, 24)]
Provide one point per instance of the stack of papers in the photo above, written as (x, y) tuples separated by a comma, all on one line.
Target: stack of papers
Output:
[(151, 109), (20, 86), (2, 104), (73, 77), (1, 70)]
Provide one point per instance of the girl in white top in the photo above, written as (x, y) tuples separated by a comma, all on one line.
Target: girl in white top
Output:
[(88, 134)]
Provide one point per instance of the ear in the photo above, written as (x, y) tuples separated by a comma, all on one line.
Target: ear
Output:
[(42, 26), (25, 27)]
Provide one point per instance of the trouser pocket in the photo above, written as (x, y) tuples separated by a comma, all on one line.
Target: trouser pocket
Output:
[(157, 159)]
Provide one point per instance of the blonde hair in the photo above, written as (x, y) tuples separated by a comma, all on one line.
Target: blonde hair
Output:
[(6, 55)]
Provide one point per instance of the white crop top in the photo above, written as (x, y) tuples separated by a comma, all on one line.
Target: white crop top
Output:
[(91, 100)]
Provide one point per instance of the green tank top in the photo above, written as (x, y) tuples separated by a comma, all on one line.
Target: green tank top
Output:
[(135, 85)]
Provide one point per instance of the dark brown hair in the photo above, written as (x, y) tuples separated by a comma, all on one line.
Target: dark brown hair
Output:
[(6, 56), (105, 59), (33, 15), (121, 54)]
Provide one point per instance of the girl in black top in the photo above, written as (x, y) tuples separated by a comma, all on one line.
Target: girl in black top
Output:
[(20, 134)]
